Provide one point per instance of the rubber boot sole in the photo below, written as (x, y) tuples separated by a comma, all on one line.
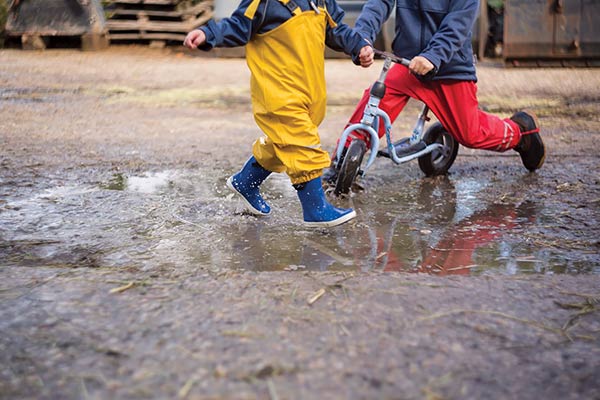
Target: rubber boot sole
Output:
[(328, 224), (250, 208)]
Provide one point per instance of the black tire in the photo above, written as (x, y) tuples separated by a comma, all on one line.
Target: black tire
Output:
[(438, 162), (350, 167)]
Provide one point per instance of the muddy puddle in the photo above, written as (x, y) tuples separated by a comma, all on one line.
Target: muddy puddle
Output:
[(189, 219)]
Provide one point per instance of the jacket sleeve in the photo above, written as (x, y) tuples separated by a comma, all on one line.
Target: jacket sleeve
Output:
[(452, 33), (342, 37), (229, 32), (372, 16)]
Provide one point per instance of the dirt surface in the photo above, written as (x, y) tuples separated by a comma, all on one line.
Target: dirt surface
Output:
[(128, 271)]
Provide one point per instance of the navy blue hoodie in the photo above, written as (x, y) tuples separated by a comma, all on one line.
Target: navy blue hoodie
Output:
[(439, 30)]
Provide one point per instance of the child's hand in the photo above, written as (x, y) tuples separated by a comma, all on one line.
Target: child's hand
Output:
[(194, 39), (420, 65), (366, 56)]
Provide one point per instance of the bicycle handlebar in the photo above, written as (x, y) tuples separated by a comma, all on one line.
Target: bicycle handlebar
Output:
[(392, 57), (404, 61)]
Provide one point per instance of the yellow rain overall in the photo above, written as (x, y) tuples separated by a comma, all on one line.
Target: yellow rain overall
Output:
[(288, 93)]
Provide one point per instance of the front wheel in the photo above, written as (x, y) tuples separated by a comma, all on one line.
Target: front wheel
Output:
[(439, 161), (350, 167)]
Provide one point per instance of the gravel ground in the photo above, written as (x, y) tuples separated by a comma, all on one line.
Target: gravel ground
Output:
[(112, 287)]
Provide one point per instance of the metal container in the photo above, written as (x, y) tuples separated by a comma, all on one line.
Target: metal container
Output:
[(33, 20), (552, 32)]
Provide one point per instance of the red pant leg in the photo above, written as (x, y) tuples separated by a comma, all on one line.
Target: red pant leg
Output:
[(454, 103)]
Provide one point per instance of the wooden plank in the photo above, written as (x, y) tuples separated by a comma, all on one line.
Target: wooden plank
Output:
[(166, 26), (149, 2), (148, 36), (195, 10), (43, 32)]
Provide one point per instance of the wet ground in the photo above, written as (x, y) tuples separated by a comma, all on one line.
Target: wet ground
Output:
[(129, 271)]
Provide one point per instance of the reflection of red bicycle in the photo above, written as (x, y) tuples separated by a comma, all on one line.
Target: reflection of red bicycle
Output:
[(392, 245), (379, 245), (435, 148), (399, 247), (453, 254)]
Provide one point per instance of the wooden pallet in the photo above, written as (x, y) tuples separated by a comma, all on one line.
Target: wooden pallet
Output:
[(155, 20)]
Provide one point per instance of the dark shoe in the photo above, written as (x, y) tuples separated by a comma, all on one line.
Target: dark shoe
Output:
[(531, 147), (330, 175), (317, 211), (245, 184)]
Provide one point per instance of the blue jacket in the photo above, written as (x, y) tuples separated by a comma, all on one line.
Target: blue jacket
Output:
[(238, 29), (439, 30)]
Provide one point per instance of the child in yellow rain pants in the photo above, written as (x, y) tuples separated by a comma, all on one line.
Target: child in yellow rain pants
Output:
[(285, 43)]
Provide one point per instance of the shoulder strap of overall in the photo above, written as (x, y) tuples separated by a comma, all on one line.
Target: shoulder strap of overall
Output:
[(291, 6), (251, 13), (251, 10), (321, 4)]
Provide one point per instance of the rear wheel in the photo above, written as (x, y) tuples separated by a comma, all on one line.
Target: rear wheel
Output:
[(439, 161), (350, 167)]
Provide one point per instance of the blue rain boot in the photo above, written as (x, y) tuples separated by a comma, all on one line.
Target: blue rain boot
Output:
[(245, 184), (318, 212)]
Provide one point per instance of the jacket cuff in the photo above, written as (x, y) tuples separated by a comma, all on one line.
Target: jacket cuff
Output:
[(368, 37), (213, 36), (356, 50), (432, 59)]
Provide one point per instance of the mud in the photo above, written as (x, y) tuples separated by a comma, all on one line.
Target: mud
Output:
[(129, 271)]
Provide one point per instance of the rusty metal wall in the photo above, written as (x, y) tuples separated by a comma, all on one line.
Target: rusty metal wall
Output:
[(562, 31), (55, 17)]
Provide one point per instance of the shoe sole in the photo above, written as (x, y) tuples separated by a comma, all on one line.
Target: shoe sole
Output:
[(543, 157), (250, 208), (335, 222), (537, 125)]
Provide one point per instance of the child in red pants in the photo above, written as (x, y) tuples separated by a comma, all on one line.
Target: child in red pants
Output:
[(436, 35)]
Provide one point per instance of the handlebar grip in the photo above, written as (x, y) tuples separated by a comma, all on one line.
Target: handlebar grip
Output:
[(392, 57), (406, 62)]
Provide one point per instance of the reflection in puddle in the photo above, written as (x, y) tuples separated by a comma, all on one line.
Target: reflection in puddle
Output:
[(117, 182), (454, 253), (437, 226), (398, 245), (150, 183), (434, 227)]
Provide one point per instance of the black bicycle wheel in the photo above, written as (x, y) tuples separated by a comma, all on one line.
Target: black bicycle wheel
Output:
[(438, 162), (350, 166)]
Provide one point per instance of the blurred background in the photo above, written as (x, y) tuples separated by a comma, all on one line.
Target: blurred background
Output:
[(527, 33)]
